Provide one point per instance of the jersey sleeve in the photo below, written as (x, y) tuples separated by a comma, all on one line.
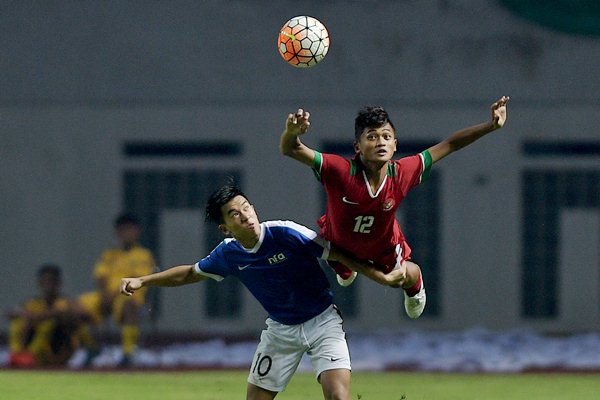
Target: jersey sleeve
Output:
[(414, 170), (214, 265), (427, 163), (34, 306), (328, 167)]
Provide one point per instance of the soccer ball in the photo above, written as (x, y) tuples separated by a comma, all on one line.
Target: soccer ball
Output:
[(303, 41)]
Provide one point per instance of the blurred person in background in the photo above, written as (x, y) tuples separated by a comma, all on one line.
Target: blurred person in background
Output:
[(44, 330), (128, 259)]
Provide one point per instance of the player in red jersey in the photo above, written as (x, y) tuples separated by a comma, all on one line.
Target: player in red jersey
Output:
[(364, 193)]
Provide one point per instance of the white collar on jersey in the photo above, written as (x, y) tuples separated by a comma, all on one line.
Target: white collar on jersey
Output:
[(379, 189), (261, 238)]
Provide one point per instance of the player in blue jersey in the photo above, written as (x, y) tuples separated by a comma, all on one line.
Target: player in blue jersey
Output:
[(278, 262)]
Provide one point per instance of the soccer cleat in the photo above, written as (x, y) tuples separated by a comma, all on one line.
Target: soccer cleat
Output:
[(346, 282), (415, 305)]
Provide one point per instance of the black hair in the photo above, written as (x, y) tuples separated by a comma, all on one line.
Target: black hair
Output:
[(125, 219), (51, 269), (370, 117), (218, 199)]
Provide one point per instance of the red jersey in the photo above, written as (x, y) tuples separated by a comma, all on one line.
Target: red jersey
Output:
[(359, 220)]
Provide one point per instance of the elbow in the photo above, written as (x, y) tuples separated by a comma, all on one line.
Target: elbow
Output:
[(452, 147), (190, 277)]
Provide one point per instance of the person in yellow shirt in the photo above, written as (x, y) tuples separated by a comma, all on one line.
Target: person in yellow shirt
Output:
[(44, 330), (129, 259)]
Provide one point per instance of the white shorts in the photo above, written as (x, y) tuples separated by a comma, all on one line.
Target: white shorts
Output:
[(281, 348)]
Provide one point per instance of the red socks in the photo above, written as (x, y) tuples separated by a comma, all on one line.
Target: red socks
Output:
[(414, 289)]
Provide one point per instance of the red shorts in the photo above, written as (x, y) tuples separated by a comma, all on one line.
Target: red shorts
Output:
[(386, 262)]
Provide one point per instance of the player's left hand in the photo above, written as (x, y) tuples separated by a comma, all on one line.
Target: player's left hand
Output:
[(499, 112), (297, 123)]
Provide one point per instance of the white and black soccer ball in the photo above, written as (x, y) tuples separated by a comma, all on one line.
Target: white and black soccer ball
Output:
[(303, 41)]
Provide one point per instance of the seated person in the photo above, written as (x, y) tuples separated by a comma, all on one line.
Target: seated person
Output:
[(44, 330), (128, 259)]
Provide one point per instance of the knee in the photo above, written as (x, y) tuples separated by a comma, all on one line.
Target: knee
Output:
[(413, 273), (337, 393), (336, 384)]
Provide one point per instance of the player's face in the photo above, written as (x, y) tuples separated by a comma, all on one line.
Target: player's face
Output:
[(128, 234), (49, 285), (240, 220), (377, 144)]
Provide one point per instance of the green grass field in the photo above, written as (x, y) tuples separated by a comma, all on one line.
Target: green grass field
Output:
[(203, 385)]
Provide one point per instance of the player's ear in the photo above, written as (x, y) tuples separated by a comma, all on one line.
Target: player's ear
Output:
[(223, 228), (356, 147)]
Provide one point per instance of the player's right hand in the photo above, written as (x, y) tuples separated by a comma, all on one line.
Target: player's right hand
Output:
[(130, 285), (397, 276), (298, 123)]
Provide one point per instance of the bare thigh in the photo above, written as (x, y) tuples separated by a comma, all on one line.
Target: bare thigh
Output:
[(335, 384), (254, 392)]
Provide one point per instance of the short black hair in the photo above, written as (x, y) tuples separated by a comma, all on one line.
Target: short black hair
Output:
[(51, 269), (370, 117), (218, 199), (125, 219)]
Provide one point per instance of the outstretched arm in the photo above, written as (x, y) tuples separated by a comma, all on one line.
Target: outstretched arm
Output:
[(290, 144), (175, 276), (466, 136), (394, 278)]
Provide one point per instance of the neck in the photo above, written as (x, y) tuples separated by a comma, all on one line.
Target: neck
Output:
[(250, 241), (375, 171), (50, 299)]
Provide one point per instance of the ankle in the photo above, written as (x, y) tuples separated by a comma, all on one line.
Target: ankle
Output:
[(415, 288)]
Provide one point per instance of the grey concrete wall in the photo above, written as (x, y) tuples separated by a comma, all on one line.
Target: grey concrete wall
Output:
[(80, 78)]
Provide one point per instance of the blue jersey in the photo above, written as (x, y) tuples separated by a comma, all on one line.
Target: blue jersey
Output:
[(282, 270)]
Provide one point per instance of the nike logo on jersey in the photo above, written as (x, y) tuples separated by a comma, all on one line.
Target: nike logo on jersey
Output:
[(241, 267), (334, 359), (345, 200)]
